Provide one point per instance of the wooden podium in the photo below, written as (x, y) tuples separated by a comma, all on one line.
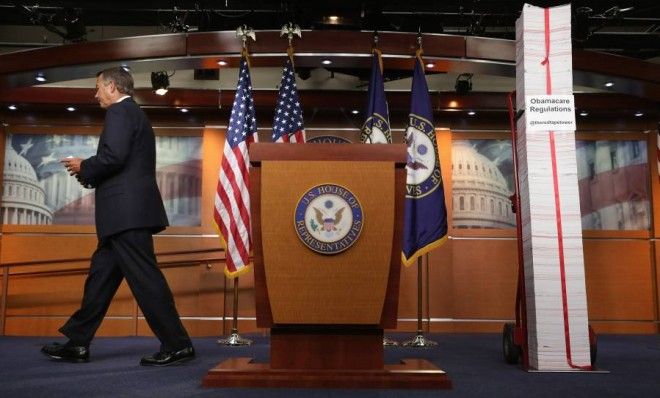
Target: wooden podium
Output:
[(327, 312)]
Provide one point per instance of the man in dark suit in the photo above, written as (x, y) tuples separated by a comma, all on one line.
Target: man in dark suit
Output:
[(129, 209)]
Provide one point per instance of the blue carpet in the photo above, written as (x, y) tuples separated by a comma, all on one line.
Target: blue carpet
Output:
[(472, 361)]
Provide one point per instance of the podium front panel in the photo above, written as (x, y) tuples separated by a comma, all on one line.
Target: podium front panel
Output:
[(306, 287)]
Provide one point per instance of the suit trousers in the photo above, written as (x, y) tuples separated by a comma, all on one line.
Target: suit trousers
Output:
[(128, 254)]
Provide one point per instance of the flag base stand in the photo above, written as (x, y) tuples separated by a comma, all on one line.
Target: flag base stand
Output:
[(419, 341), (235, 339), (387, 342)]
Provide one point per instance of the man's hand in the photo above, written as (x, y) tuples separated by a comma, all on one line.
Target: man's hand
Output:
[(72, 165)]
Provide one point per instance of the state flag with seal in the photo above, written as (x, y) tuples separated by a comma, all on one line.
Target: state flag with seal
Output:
[(376, 127), (425, 214)]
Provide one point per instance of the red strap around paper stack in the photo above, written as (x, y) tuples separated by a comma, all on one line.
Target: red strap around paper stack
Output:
[(555, 181)]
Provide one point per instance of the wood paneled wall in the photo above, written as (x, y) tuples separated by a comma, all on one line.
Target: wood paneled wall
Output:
[(470, 281)]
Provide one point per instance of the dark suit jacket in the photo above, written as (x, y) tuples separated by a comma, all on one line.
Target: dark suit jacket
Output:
[(123, 171)]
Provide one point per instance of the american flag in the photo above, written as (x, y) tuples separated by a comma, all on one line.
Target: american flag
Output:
[(288, 119), (231, 212)]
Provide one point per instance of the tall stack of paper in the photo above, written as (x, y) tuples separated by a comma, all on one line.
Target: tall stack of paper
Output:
[(557, 316)]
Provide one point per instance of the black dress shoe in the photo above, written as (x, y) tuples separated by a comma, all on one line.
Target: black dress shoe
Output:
[(165, 358), (66, 352)]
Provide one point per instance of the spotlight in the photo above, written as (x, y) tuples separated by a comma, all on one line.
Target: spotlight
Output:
[(355, 111), (472, 113), (639, 114), (609, 84), (12, 107), (74, 25), (222, 63), (40, 78), (476, 28), (464, 83), (178, 24), (70, 109), (304, 73), (430, 65), (584, 113), (581, 30), (326, 62), (184, 110), (70, 19), (160, 82)]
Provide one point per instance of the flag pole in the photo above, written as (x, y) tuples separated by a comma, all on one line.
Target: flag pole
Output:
[(234, 338), (419, 340), (387, 342)]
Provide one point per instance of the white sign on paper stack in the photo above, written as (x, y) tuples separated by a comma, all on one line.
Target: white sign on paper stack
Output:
[(550, 206)]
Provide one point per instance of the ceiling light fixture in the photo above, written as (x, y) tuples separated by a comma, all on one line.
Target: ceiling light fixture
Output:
[(74, 25), (581, 29), (70, 109), (355, 111), (472, 113), (463, 83), (178, 24), (12, 107), (304, 73), (639, 114), (326, 62), (430, 65), (609, 84), (584, 113), (160, 82), (184, 110), (40, 78), (222, 62)]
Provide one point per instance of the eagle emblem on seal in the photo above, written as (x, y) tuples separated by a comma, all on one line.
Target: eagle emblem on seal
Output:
[(328, 224)]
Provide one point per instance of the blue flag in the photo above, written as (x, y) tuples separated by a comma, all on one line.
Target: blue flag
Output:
[(425, 215), (376, 127)]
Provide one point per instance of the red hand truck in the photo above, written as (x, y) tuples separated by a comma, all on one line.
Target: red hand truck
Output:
[(514, 335)]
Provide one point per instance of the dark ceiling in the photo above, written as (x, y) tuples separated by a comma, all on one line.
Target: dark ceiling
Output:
[(623, 27)]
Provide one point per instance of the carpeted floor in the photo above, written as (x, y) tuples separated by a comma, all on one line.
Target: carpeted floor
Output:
[(472, 361)]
